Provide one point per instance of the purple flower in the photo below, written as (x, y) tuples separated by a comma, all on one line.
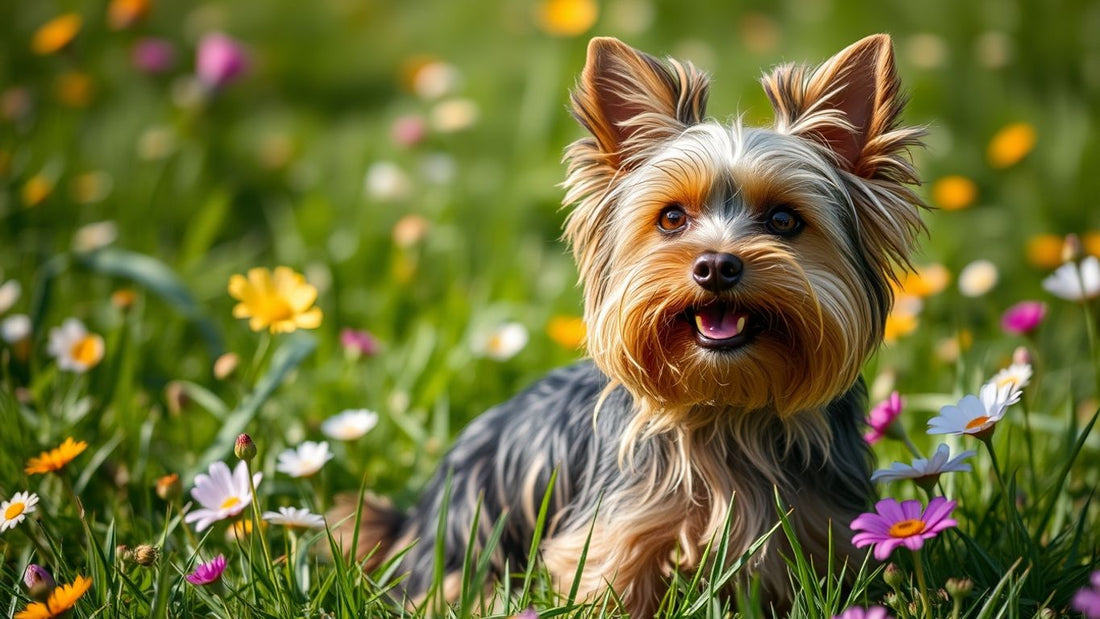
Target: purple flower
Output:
[(882, 416), (1024, 317), (905, 524), (150, 55), (38, 581), (207, 573), (358, 343), (1087, 599), (855, 612), (220, 60)]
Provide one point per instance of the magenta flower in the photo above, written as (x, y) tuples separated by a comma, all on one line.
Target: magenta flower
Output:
[(207, 573), (905, 524), (1024, 317), (881, 417), (151, 55), (220, 60), (358, 343), (1087, 599), (855, 612)]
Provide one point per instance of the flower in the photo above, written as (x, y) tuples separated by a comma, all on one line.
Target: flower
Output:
[(61, 600), (152, 55), (1016, 376), (10, 292), (882, 416), (122, 14), (207, 573), (95, 236), (454, 115), (15, 328), (244, 447), (168, 487), (1023, 318), (55, 34), (408, 130), (1087, 599), (1074, 282), (225, 365), (503, 342), (905, 524), (222, 494), (1045, 250), (15, 510), (385, 181), (220, 60), (410, 230), (39, 582), (75, 349), (240, 529), (926, 281), (975, 414), (55, 459), (977, 278), (954, 192), (350, 424), (358, 343), (567, 331), (926, 470), (74, 88), (37, 189), (305, 460), (282, 302), (1011, 144), (567, 18), (294, 517), (855, 612)]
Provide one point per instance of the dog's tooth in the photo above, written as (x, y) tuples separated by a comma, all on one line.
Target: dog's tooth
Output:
[(699, 323), (740, 324)]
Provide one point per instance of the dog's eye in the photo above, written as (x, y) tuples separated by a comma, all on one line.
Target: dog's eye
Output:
[(784, 221), (673, 218)]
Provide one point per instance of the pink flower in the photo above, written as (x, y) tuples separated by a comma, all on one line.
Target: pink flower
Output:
[(855, 612), (882, 416), (220, 60), (1023, 318), (1087, 599), (151, 55), (207, 573), (358, 343), (905, 524), (408, 130)]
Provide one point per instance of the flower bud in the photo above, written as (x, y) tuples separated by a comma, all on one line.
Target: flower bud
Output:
[(245, 449), (959, 588), (175, 397), (124, 553), (893, 576), (39, 582), (225, 365), (1021, 355), (146, 555), (169, 487)]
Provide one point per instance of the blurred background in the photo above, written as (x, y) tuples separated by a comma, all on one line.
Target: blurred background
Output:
[(405, 156)]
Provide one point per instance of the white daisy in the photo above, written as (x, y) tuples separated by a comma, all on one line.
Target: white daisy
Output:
[(1074, 282), (350, 424), (75, 349), (502, 343), (15, 328), (975, 414), (15, 510), (305, 460), (295, 517), (1016, 375), (926, 468), (222, 494), (977, 278), (10, 292)]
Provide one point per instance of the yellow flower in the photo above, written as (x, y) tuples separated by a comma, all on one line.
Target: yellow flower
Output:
[(1045, 250), (37, 189), (954, 192), (925, 281), (55, 459), (1091, 243), (55, 34), (567, 18), (122, 14), (74, 89), (61, 600), (569, 331), (281, 302), (898, 326), (1011, 144)]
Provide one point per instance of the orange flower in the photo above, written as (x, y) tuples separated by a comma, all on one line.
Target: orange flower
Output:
[(569, 331), (925, 281), (55, 459), (1011, 144), (1045, 250), (61, 600), (122, 14), (37, 189), (55, 34), (281, 301), (954, 192), (898, 325), (1091, 243), (567, 18)]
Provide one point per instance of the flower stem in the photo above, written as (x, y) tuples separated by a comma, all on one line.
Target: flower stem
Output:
[(257, 529), (922, 585)]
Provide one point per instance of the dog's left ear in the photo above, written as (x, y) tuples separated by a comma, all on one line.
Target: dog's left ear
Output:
[(850, 104)]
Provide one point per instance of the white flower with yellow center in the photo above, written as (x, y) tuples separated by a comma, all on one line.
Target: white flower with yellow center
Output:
[(1074, 282), (926, 468), (222, 494), (75, 349), (504, 342), (295, 518), (1016, 375), (350, 424), (15, 510), (975, 414), (305, 460)]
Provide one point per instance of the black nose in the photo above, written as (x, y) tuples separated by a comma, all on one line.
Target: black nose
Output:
[(717, 272)]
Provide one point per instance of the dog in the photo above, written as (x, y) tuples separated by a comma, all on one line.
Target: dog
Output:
[(735, 281)]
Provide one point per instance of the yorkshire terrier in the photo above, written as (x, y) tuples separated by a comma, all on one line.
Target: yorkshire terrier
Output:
[(735, 281)]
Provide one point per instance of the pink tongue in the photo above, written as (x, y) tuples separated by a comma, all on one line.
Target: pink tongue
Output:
[(718, 323)]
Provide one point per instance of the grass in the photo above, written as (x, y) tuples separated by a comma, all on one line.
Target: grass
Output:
[(432, 244)]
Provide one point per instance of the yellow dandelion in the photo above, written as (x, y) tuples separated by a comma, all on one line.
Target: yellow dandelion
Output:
[(926, 281), (37, 189), (55, 459), (74, 89), (281, 302), (1011, 144), (568, 331), (567, 18), (954, 192), (122, 14), (61, 600), (1045, 251), (55, 34)]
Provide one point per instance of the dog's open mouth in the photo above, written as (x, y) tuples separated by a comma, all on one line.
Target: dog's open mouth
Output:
[(721, 325)]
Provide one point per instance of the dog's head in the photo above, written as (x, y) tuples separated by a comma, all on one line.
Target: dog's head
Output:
[(745, 268)]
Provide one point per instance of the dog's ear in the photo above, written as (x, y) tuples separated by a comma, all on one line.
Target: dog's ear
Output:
[(628, 99), (850, 104)]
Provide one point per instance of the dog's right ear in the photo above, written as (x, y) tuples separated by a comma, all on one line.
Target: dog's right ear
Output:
[(628, 99)]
